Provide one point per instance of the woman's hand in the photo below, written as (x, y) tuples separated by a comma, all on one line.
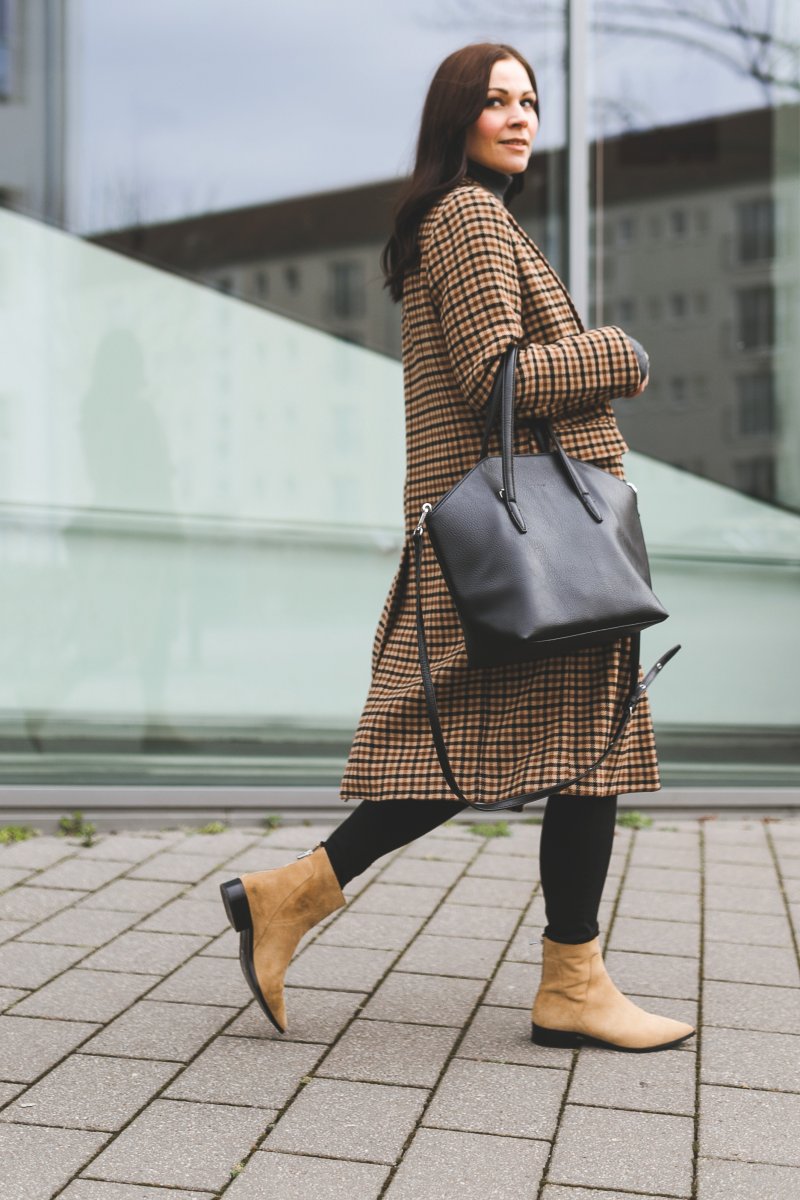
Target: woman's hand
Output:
[(641, 387)]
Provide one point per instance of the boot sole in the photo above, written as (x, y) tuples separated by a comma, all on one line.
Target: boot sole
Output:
[(565, 1039), (237, 910)]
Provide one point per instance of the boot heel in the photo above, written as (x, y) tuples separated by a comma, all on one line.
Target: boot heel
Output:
[(559, 1038), (234, 897)]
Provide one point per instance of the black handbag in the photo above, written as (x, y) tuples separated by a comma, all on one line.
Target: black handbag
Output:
[(542, 554)]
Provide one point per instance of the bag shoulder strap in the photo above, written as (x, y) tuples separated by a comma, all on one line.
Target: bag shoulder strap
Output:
[(635, 692)]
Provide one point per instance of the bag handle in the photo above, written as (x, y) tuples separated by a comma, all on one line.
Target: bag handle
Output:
[(635, 693), (502, 395)]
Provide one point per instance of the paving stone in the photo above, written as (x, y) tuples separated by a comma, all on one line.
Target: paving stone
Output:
[(259, 858), (488, 1097), (250, 1071), (684, 838), (334, 1118), (207, 889), (513, 867), (35, 1161), (145, 953), (10, 929), (467, 920), (297, 836), (88, 1092), (734, 829), (95, 1189), (662, 937), (11, 875), (756, 853), (127, 847), (335, 967), (398, 898), (9, 1090), (418, 872), (603, 1148), (85, 995), (174, 868), (423, 999), (659, 906), (26, 965), (9, 996), (471, 958), (504, 1035), (132, 895), (313, 1014), (514, 985), (432, 847), (372, 931), (151, 1029), (205, 981), (754, 929), (34, 904), (663, 1082), (664, 879), (390, 1052), (468, 1166), (751, 1006), (653, 974), (526, 946), (224, 945), (746, 900), (219, 846), (29, 1046), (297, 1177), (744, 875), (188, 916), (749, 1125), (79, 927), (747, 1058), (744, 1181), (78, 874), (495, 893), (750, 964), (35, 853), (174, 1143), (652, 855)]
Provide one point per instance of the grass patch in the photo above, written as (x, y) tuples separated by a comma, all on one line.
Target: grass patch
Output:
[(633, 819), (489, 829), (213, 827), (531, 820), (16, 833), (75, 826), (271, 821)]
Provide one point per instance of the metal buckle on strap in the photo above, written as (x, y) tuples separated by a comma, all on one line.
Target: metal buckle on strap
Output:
[(426, 508)]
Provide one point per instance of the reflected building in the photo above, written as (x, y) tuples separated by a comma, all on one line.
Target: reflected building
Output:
[(686, 259)]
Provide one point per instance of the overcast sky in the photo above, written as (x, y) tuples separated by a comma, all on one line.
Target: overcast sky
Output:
[(197, 105)]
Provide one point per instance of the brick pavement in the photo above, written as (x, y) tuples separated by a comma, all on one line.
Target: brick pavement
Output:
[(134, 1064)]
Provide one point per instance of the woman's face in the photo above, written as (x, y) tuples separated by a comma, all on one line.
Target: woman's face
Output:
[(502, 137)]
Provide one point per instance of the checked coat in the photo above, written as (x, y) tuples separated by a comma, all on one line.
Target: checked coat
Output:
[(482, 283)]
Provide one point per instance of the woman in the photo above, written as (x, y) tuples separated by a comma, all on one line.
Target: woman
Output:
[(471, 282)]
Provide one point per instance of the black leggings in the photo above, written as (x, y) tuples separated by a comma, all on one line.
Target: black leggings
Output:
[(574, 850)]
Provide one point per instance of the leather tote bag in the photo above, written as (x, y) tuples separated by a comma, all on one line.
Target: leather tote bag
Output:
[(543, 554)]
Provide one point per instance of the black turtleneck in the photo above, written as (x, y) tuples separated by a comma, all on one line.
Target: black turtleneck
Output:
[(496, 181)]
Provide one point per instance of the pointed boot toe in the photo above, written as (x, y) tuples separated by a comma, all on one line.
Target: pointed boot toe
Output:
[(271, 910)]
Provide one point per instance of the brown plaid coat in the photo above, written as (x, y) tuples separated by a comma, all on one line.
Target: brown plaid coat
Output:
[(482, 283)]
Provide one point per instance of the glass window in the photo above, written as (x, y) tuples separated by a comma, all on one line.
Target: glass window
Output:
[(755, 318), (756, 407), (5, 49), (347, 296), (755, 229)]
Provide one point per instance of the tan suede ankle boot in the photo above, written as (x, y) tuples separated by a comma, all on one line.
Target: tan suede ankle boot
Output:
[(578, 1004), (271, 910)]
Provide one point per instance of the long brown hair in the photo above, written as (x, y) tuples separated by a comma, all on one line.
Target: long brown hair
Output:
[(456, 98)]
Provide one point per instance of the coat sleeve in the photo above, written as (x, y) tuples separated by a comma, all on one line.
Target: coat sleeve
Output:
[(468, 256)]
